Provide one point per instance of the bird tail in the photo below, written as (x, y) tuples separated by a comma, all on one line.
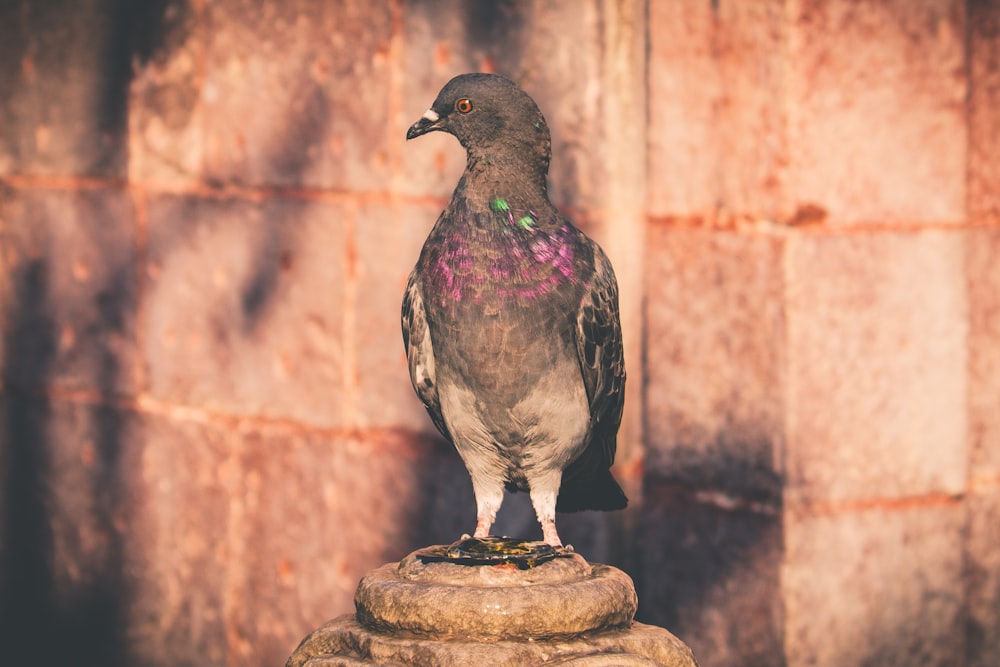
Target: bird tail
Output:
[(597, 492)]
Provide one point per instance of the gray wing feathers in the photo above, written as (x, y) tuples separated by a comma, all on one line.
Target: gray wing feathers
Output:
[(599, 346), (420, 352)]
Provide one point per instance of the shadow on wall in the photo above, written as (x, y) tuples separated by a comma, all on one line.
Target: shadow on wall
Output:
[(493, 30), (711, 575), (49, 613), (63, 594)]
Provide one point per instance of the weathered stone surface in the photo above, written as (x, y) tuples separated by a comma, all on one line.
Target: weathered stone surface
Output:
[(64, 78), (316, 511), (878, 132), (876, 587), (982, 270), (309, 82), (715, 325), (566, 598), (166, 120), (65, 499), (182, 532), (877, 370), (245, 302), (69, 279), (716, 71), (982, 579), (984, 108), (343, 642), (387, 237), (237, 539), (565, 611)]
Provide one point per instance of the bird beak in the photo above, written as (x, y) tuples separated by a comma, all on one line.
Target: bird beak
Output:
[(429, 122)]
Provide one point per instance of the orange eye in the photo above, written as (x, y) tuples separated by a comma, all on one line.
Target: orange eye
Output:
[(463, 105)]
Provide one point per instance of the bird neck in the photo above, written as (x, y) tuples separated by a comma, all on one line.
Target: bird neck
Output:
[(504, 177)]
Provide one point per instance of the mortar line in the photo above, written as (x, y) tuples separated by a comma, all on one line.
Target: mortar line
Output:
[(746, 223), (141, 218), (819, 508)]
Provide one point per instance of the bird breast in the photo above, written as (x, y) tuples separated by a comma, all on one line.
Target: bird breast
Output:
[(515, 267), (503, 310)]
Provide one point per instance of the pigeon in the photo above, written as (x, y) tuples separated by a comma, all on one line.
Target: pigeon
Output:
[(510, 318)]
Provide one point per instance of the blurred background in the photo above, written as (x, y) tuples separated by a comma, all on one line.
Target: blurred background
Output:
[(207, 216)]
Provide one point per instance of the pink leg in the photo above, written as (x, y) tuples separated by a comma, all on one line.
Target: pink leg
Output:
[(483, 527), (550, 535)]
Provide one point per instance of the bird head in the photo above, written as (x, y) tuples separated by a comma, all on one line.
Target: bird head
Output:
[(489, 115)]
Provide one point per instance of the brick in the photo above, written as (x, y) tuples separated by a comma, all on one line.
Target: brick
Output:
[(297, 94), (184, 548), (983, 285), (166, 105), (717, 137), (320, 512), (64, 82), (879, 127), (389, 239), (64, 548), (876, 365), (711, 576), (982, 579), (984, 108), (881, 587), (70, 273), (714, 359), (245, 306)]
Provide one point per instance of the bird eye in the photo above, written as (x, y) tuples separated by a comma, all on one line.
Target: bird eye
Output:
[(463, 105)]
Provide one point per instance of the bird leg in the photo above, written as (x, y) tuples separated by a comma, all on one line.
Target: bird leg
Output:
[(483, 526), (550, 535), (489, 496), (544, 490)]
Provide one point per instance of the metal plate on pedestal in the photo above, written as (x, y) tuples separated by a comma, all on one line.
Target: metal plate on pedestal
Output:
[(493, 551)]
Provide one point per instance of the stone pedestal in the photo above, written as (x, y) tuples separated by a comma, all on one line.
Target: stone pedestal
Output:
[(562, 612)]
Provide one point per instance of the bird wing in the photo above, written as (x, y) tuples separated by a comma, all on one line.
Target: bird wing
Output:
[(599, 347), (420, 352), (587, 482)]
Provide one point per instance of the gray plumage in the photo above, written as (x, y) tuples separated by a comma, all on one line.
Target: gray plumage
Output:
[(510, 318)]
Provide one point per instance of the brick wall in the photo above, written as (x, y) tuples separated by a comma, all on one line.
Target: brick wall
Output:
[(207, 216), (821, 328)]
